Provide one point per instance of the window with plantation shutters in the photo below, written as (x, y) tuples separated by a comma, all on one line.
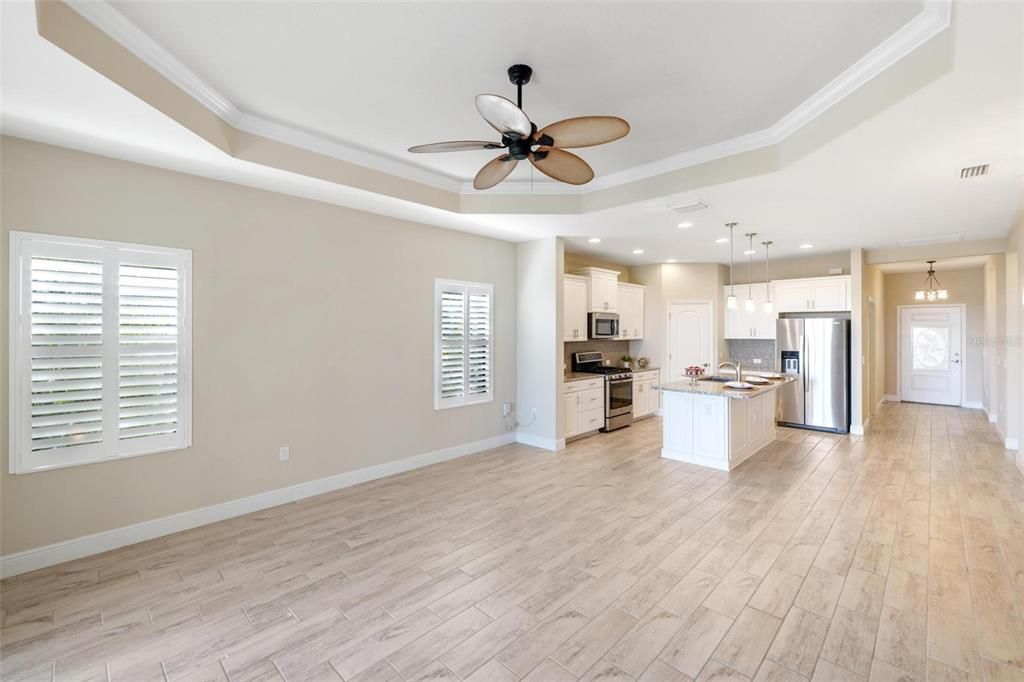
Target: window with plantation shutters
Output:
[(100, 351), (464, 371)]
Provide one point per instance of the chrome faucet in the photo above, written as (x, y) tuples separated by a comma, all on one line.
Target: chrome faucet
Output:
[(735, 366)]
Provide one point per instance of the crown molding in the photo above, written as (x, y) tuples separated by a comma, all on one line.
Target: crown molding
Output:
[(934, 18)]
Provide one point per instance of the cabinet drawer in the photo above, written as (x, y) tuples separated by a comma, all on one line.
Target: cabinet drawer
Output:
[(591, 399), (651, 374), (571, 387), (591, 420), (586, 384)]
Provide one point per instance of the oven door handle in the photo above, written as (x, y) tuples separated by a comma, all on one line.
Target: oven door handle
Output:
[(620, 381)]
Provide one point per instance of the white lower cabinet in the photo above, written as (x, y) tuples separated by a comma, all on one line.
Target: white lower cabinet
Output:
[(716, 431), (584, 406), (646, 396)]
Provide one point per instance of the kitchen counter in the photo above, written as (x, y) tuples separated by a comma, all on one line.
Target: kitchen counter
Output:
[(719, 389), (580, 376), (708, 424)]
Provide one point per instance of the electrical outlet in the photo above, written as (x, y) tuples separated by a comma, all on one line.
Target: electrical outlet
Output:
[(506, 409), (283, 454), (756, 361)]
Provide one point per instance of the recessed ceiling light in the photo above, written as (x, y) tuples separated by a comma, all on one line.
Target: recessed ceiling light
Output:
[(671, 260), (748, 252), (722, 240), (594, 240), (637, 252), (807, 246), (683, 226)]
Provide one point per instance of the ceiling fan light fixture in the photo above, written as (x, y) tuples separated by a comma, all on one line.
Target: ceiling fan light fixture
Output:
[(594, 240), (521, 140)]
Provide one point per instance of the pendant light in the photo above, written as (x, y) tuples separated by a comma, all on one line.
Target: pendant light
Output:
[(730, 300), (933, 290), (749, 304), (767, 280)]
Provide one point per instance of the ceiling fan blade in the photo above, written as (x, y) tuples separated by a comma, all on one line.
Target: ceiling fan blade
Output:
[(583, 131), (456, 146), (562, 166), (503, 115), (494, 171)]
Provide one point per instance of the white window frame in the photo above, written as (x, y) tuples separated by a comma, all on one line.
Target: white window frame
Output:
[(440, 286), (23, 246)]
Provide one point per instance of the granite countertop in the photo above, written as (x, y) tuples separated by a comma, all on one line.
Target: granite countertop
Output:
[(580, 376), (649, 368), (718, 388)]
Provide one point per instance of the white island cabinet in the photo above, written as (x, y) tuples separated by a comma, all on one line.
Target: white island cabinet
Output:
[(713, 426)]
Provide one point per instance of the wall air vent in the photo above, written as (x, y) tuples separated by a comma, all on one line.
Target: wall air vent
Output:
[(973, 171), (690, 206)]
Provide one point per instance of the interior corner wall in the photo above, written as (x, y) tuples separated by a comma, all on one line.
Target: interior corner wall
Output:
[(312, 328), (873, 378), (857, 331), (994, 271), (539, 346)]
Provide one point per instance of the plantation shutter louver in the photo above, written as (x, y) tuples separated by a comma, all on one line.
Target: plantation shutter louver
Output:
[(101, 353), (148, 358), (464, 359), (453, 345), (66, 353)]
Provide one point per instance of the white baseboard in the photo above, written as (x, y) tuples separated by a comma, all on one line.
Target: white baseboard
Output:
[(57, 553), (992, 416), (553, 444), (857, 429), (891, 398), (690, 458), (973, 405), (1011, 444)]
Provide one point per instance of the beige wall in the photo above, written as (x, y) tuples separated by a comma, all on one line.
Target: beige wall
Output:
[(575, 261), (312, 328), (965, 286), (816, 265), (873, 346), (670, 282)]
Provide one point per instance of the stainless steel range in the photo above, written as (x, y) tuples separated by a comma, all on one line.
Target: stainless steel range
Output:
[(618, 388)]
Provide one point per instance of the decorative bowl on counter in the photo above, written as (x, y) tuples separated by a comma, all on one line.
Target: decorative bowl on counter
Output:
[(695, 372)]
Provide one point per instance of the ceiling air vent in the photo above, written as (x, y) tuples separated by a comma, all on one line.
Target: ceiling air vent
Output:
[(973, 171), (690, 206)]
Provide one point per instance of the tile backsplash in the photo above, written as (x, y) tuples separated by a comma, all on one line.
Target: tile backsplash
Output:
[(745, 351), (613, 350)]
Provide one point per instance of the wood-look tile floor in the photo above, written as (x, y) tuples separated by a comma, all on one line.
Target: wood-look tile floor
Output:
[(896, 556)]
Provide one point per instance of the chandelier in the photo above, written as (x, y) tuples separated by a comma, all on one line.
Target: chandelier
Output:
[(933, 290)]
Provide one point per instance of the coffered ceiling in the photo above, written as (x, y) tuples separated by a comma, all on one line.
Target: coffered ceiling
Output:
[(384, 76), (742, 109)]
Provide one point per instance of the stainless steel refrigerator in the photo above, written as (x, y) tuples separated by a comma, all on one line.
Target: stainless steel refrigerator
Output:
[(815, 349)]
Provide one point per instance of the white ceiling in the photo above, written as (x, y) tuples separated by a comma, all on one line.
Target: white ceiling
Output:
[(385, 76), (892, 177)]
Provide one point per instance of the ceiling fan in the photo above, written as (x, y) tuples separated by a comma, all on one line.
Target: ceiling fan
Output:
[(545, 148)]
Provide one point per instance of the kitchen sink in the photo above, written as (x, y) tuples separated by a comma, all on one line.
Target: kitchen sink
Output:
[(718, 378)]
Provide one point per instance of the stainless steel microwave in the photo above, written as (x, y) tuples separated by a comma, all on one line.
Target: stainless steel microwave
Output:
[(603, 325)]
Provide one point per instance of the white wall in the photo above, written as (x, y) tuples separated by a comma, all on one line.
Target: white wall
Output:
[(313, 328), (539, 353)]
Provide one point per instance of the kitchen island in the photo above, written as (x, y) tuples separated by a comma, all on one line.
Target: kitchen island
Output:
[(708, 424)]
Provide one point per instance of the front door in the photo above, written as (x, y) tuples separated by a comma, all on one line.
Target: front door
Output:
[(931, 356), (690, 338)]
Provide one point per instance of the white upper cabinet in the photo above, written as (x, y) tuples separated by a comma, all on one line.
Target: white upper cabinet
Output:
[(756, 324), (604, 289), (574, 308), (631, 311), (814, 294)]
